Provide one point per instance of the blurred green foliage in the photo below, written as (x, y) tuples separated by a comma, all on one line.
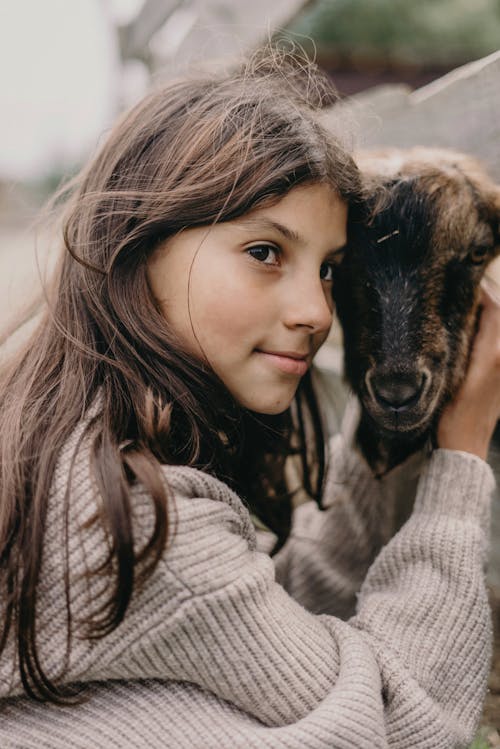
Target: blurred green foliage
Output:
[(482, 739), (439, 32), (480, 743)]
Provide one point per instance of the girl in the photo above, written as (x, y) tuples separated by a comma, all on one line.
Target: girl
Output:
[(158, 408)]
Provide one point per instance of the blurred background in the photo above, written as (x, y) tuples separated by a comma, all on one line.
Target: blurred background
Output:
[(68, 68)]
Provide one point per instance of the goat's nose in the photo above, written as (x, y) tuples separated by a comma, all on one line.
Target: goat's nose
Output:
[(397, 391)]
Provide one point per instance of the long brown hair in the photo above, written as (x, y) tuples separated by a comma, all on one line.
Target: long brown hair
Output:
[(196, 151)]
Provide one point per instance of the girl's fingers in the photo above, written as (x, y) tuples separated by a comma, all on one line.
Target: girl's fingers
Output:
[(490, 291), (467, 423), (487, 344)]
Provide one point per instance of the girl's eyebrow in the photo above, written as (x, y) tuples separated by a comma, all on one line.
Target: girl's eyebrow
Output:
[(268, 224)]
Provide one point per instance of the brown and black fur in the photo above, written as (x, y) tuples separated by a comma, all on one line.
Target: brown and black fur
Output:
[(407, 292)]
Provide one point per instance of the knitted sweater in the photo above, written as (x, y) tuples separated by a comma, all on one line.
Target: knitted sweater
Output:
[(226, 648)]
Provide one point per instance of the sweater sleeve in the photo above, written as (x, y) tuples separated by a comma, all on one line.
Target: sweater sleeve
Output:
[(413, 661), (329, 552), (421, 604), (433, 647)]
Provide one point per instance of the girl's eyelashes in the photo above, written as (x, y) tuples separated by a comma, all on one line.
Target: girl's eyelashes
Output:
[(326, 271), (264, 253), (267, 254), (328, 267)]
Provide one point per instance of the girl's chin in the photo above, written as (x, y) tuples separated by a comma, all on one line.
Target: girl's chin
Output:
[(268, 407)]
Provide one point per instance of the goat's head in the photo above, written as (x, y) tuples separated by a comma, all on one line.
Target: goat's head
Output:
[(407, 289)]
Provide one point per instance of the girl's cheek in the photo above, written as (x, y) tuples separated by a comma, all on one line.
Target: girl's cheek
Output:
[(233, 315), (237, 300)]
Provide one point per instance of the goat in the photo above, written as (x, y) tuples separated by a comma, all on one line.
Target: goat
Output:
[(406, 292)]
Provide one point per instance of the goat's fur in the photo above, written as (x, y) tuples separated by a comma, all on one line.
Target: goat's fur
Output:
[(407, 291)]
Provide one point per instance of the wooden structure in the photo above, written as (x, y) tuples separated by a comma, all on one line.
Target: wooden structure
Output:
[(461, 110)]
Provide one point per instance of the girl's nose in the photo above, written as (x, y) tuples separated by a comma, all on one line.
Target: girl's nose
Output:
[(309, 304)]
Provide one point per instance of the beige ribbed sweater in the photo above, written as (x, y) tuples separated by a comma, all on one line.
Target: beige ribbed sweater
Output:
[(225, 648)]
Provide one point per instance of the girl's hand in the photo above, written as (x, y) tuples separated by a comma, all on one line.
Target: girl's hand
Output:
[(467, 423)]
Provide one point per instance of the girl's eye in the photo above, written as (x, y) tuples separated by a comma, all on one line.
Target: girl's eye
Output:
[(264, 253), (326, 272)]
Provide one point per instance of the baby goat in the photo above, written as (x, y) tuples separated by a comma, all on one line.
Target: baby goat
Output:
[(407, 289)]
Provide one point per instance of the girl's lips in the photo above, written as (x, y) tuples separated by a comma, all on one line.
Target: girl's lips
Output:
[(287, 364)]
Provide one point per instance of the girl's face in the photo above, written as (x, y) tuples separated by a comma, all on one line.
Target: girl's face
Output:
[(252, 297)]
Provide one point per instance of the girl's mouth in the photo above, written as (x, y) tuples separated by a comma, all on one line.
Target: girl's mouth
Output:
[(289, 362)]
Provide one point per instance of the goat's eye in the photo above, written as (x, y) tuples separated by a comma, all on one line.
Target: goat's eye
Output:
[(478, 255)]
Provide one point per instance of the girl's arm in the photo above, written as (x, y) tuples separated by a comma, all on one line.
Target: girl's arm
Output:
[(325, 560), (413, 662), (414, 659)]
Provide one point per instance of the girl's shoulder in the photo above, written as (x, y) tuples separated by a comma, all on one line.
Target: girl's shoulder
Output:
[(191, 490), (194, 497)]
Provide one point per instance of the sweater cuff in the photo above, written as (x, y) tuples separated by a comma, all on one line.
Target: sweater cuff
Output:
[(455, 483)]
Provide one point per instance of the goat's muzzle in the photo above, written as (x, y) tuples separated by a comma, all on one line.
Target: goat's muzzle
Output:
[(397, 399)]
